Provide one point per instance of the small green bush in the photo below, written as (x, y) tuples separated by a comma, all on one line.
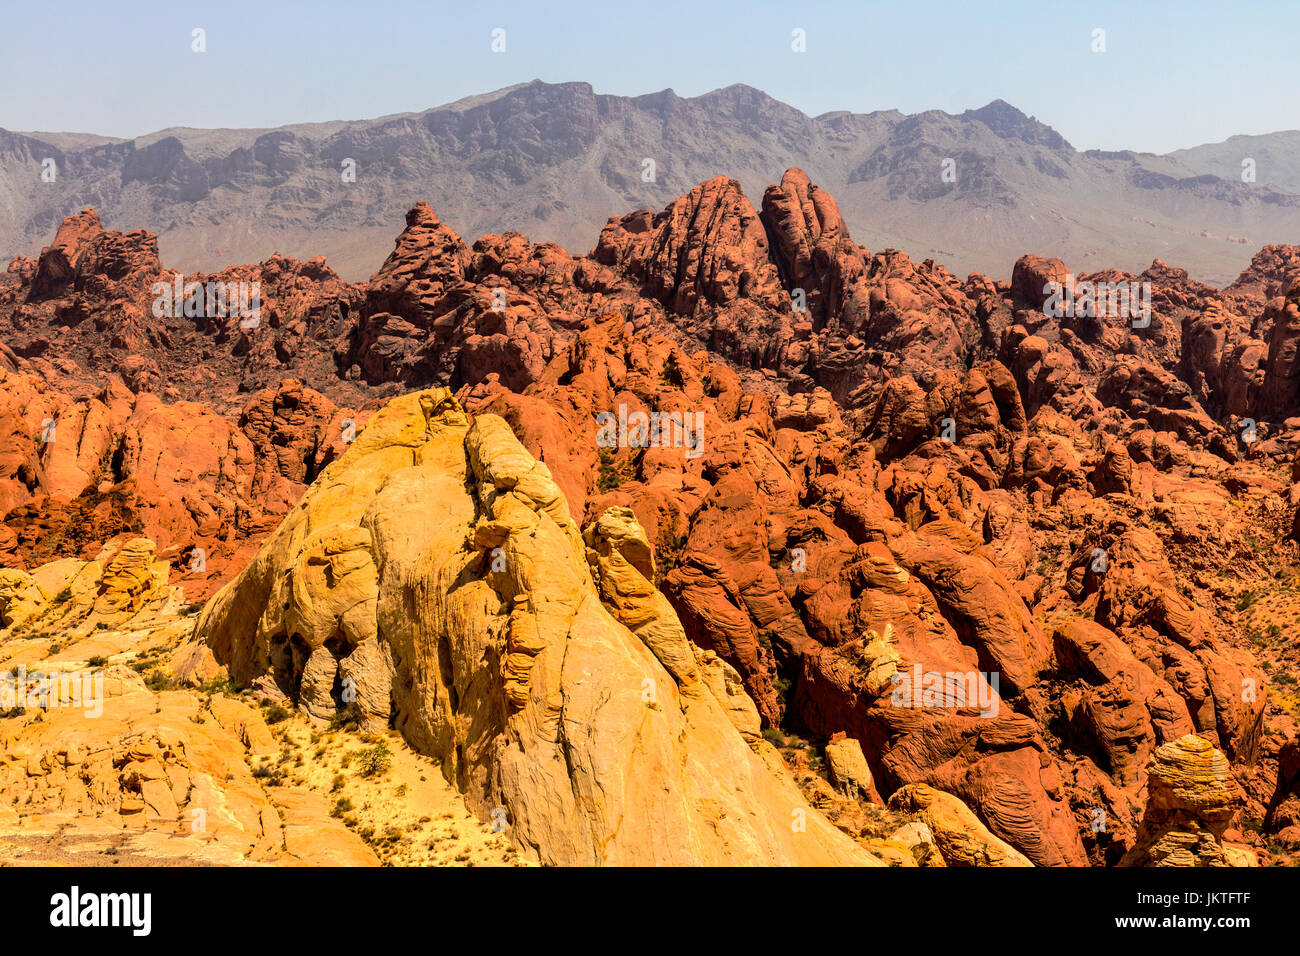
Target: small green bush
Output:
[(375, 761), (348, 718), (608, 478)]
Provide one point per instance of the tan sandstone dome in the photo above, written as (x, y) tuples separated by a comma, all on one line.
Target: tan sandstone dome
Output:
[(434, 576)]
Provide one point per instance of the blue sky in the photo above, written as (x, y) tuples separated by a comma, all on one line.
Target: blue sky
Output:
[(1173, 74)]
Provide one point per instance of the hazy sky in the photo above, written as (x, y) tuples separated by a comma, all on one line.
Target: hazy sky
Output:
[(1173, 74)]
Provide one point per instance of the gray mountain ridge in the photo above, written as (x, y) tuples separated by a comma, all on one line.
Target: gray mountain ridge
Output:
[(556, 160)]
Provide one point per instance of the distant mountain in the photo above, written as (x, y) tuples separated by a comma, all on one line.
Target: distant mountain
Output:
[(1276, 156), (554, 160)]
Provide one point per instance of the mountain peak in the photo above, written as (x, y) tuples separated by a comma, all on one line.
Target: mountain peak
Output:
[(741, 93), (1010, 123)]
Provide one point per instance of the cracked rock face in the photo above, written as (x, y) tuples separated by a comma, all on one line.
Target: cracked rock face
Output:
[(434, 576)]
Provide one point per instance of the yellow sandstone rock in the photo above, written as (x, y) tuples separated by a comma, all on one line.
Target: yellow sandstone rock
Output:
[(72, 598), (1191, 799), (20, 597), (961, 838), (130, 580), (158, 777), (437, 565)]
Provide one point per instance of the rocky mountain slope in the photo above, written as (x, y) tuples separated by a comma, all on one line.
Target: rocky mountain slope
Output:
[(1274, 155), (553, 160), (906, 571)]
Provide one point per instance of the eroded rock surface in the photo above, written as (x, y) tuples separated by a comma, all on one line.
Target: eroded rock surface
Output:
[(1005, 555), (541, 666)]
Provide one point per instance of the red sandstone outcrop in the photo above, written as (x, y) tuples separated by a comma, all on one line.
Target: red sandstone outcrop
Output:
[(909, 475)]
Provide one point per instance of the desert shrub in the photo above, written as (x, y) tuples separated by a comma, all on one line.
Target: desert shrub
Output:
[(346, 718), (672, 374), (220, 685), (668, 558), (608, 478), (375, 761), (272, 775)]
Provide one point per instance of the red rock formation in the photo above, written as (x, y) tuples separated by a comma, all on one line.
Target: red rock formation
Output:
[(1269, 271), (1031, 277), (83, 472), (1280, 390), (917, 475), (811, 247)]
